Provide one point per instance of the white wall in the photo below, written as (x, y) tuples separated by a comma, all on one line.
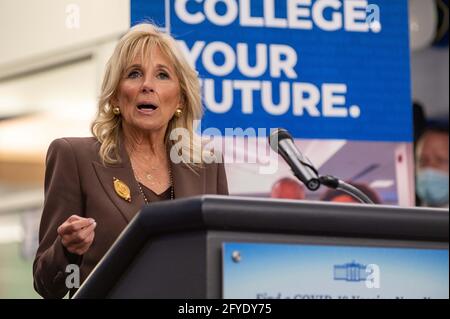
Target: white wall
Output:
[(37, 28), (52, 70)]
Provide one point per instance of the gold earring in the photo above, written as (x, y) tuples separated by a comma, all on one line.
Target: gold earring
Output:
[(116, 110), (179, 112)]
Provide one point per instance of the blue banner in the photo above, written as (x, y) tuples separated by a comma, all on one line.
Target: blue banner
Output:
[(323, 69)]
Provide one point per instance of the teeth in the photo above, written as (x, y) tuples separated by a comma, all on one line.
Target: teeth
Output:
[(147, 107)]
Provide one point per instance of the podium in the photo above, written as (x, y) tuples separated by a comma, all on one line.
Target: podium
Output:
[(173, 249)]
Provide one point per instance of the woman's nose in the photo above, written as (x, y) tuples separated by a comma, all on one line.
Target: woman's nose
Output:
[(148, 85)]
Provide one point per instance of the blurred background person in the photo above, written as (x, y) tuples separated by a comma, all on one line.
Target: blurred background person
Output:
[(288, 188), (419, 121), (432, 166), (419, 125)]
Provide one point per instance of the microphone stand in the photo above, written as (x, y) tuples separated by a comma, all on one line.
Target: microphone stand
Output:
[(333, 182), (314, 183), (336, 183)]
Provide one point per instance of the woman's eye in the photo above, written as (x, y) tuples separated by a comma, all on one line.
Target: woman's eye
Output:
[(163, 76), (134, 74)]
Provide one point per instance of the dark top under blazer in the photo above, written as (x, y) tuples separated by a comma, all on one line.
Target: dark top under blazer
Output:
[(76, 182)]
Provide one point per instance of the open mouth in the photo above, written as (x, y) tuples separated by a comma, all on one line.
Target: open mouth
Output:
[(147, 107)]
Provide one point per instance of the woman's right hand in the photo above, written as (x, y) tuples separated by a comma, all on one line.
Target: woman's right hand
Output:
[(77, 234)]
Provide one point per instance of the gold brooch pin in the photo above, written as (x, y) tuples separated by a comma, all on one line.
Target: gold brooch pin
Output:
[(122, 189)]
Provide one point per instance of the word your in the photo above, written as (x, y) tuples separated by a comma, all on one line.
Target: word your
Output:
[(279, 59)]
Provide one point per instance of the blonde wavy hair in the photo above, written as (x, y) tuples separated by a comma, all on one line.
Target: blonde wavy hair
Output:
[(107, 126)]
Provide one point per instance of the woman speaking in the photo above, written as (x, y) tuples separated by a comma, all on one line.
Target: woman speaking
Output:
[(94, 186)]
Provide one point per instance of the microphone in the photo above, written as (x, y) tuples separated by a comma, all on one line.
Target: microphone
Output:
[(281, 142)]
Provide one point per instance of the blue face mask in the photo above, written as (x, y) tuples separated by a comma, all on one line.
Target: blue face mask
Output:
[(432, 187)]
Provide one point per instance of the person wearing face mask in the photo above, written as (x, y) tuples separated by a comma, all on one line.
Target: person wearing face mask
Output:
[(432, 166)]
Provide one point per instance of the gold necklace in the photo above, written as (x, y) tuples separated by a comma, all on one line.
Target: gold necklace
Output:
[(152, 179), (146, 201)]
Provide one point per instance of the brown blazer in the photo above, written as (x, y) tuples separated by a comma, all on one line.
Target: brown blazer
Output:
[(77, 183)]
